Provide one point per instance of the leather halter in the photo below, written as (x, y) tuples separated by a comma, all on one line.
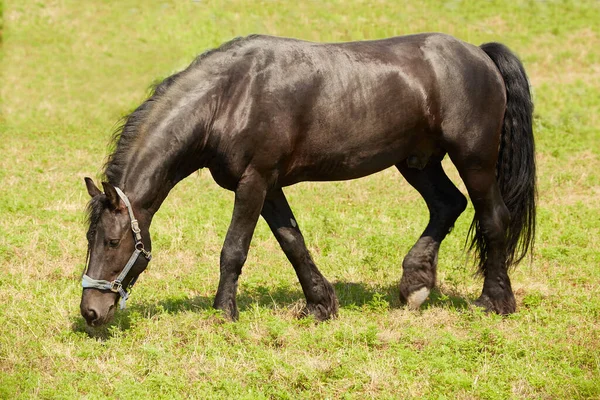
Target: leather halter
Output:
[(116, 286)]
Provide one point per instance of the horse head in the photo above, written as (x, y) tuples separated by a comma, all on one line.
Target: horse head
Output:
[(114, 246)]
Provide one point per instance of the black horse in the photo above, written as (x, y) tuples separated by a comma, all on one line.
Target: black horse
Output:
[(265, 112)]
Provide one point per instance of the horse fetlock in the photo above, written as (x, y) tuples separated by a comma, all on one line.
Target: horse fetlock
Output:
[(423, 256), (421, 264), (323, 303)]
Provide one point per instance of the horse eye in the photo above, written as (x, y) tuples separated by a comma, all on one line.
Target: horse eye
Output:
[(114, 242)]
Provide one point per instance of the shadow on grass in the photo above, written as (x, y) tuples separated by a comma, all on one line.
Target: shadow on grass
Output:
[(448, 299), (360, 295), (351, 295)]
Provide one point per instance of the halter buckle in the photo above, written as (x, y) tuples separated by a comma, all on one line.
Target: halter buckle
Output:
[(135, 227), (115, 286)]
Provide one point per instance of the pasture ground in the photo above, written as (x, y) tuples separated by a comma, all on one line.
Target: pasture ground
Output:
[(70, 70)]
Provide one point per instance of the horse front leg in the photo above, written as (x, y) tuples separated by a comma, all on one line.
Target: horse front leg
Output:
[(321, 300), (249, 199)]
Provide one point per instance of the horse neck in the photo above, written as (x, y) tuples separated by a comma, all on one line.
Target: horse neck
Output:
[(165, 150)]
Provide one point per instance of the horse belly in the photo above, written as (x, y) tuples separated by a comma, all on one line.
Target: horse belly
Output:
[(334, 160)]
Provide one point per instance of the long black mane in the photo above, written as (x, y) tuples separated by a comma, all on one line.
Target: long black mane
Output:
[(127, 130)]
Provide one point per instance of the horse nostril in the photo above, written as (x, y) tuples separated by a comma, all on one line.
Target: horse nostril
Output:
[(91, 316)]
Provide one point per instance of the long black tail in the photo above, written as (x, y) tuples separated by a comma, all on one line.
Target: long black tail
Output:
[(515, 170)]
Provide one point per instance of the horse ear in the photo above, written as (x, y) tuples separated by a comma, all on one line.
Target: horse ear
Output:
[(112, 196), (91, 187)]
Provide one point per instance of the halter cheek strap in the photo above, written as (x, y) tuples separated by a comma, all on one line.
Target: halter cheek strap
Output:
[(116, 286)]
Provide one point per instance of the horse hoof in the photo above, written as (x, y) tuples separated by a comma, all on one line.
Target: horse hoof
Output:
[(320, 312), (501, 306), (229, 311), (416, 298)]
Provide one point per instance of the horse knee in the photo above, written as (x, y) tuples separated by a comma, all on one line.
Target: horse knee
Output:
[(233, 257)]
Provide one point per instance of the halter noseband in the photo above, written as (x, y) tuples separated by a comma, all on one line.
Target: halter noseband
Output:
[(116, 286)]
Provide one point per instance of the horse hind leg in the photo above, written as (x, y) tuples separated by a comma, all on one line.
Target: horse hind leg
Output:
[(321, 300), (489, 228), (445, 203)]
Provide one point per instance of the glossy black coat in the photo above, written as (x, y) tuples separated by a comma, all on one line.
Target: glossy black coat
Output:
[(262, 113)]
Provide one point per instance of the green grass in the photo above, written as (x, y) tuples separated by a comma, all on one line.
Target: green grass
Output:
[(70, 70)]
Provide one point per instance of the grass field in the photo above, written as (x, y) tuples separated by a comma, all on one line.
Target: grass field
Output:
[(70, 70)]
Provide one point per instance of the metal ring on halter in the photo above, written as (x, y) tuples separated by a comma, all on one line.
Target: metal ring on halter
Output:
[(140, 247)]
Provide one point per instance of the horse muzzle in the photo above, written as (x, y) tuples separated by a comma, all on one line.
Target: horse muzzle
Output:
[(97, 307)]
